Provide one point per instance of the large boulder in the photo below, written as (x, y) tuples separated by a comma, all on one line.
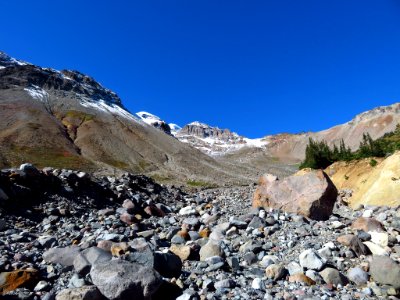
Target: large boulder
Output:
[(119, 279), (384, 270), (308, 192)]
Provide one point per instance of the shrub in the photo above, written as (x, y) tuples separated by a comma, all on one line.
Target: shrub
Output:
[(373, 162)]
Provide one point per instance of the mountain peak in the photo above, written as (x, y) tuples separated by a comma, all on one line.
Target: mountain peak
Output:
[(199, 124), (8, 61)]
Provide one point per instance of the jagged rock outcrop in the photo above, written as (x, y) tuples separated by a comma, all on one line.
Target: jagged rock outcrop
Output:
[(215, 141), (154, 121)]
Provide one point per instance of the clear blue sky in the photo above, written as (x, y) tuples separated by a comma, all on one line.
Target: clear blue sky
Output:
[(256, 67)]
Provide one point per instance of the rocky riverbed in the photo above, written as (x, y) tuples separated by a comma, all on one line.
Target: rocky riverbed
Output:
[(68, 235)]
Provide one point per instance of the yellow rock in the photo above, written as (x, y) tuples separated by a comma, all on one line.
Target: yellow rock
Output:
[(119, 249), (379, 185), (182, 251)]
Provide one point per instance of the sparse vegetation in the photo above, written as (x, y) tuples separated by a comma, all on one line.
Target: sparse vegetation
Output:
[(83, 117), (45, 157), (319, 155), (373, 162), (117, 163), (199, 183)]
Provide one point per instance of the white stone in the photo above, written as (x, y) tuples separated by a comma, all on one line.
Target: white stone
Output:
[(294, 268), (257, 284), (310, 259), (268, 260), (41, 286), (186, 211), (368, 213), (379, 238), (330, 245), (337, 225), (376, 249)]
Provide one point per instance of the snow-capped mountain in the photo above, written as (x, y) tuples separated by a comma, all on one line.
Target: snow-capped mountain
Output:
[(66, 119), (215, 141), (208, 139)]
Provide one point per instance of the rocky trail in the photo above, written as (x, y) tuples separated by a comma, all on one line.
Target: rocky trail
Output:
[(68, 235)]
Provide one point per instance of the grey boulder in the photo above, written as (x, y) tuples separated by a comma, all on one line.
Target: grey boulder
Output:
[(384, 270), (64, 256), (118, 279)]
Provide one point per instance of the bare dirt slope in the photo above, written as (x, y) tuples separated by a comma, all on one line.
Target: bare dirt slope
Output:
[(371, 185), (377, 122)]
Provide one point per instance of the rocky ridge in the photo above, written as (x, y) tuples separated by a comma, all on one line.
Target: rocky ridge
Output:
[(215, 141), (286, 146), (69, 235), (210, 140)]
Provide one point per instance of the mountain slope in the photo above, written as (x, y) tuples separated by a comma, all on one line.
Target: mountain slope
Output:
[(68, 120), (377, 122)]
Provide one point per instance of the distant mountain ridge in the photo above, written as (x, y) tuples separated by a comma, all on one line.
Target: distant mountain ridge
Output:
[(290, 147)]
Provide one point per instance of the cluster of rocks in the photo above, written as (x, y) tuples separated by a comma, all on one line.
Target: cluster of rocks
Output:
[(66, 235)]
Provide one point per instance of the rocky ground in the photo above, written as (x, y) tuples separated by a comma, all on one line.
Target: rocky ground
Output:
[(68, 235)]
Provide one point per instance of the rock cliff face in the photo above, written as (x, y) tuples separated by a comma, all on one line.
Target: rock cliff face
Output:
[(154, 121), (66, 119), (203, 131), (215, 141)]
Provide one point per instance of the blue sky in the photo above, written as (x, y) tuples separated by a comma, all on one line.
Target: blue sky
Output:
[(256, 67)]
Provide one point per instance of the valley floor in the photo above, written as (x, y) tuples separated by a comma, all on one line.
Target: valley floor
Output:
[(66, 234)]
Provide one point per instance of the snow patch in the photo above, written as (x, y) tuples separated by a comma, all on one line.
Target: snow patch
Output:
[(37, 93), (148, 118), (108, 107), (174, 128), (216, 147), (197, 123)]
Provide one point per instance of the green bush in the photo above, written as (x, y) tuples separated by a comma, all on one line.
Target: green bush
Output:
[(373, 162)]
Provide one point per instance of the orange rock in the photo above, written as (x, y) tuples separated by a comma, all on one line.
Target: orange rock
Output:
[(184, 234), (209, 206), (301, 278), (367, 224), (345, 240), (204, 233), (10, 281)]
